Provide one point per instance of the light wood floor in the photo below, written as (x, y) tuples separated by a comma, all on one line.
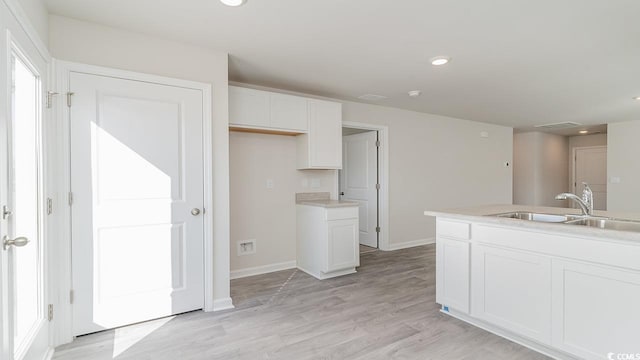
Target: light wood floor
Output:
[(385, 311), (366, 249)]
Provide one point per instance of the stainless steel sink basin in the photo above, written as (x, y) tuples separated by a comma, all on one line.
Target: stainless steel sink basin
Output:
[(531, 216), (611, 224)]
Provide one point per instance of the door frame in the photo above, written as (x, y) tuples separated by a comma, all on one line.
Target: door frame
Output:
[(28, 41), (572, 164), (62, 277), (383, 171)]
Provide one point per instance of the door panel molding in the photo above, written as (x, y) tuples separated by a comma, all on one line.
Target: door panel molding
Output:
[(63, 287)]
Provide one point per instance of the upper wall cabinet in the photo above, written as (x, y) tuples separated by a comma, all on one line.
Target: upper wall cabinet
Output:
[(317, 123), (263, 110), (321, 148)]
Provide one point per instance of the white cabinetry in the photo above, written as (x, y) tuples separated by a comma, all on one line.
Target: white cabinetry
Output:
[(327, 240), (248, 107), (264, 110), (288, 112), (452, 265), (511, 289), (321, 148), (569, 296), (595, 309)]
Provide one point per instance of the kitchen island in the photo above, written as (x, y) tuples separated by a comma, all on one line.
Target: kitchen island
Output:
[(567, 290)]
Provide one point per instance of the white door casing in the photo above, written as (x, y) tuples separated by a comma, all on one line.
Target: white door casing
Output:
[(358, 179), (591, 167), (136, 175)]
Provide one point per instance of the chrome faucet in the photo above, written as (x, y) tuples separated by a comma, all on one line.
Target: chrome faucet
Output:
[(585, 202)]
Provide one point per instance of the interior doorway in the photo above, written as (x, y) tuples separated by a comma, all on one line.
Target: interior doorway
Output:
[(359, 181), (590, 166)]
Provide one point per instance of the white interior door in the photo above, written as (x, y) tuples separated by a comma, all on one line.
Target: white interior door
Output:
[(24, 301), (358, 179), (591, 167), (137, 190)]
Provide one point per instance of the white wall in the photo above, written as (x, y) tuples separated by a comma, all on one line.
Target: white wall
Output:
[(437, 162), (36, 12), (268, 215), (622, 161), (89, 43), (541, 168)]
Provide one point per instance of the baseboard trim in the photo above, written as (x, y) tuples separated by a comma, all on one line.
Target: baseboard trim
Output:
[(223, 304), (49, 354), (265, 269), (410, 244)]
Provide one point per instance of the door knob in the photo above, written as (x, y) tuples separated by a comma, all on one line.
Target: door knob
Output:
[(195, 211), (19, 241)]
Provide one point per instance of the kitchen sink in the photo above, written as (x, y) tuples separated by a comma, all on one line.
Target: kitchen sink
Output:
[(611, 224), (531, 216)]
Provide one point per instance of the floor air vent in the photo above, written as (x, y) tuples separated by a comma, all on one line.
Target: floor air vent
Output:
[(560, 125)]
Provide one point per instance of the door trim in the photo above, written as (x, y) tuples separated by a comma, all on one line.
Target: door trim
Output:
[(383, 169), (63, 332)]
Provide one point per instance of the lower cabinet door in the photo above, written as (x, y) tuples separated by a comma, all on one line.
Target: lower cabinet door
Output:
[(452, 273), (342, 246), (579, 289), (511, 289)]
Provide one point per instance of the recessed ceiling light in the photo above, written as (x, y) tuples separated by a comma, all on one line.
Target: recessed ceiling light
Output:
[(583, 131), (440, 60), (233, 2), (415, 93), (636, 98)]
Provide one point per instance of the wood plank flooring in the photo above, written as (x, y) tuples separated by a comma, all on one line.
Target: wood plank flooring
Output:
[(366, 249), (385, 311)]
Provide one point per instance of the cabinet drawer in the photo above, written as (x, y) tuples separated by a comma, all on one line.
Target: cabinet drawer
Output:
[(350, 212), (455, 229)]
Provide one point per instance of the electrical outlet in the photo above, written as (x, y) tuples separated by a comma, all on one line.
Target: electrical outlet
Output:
[(270, 184), (315, 183), (246, 247)]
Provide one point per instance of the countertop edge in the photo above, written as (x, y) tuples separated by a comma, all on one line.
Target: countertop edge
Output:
[(479, 214)]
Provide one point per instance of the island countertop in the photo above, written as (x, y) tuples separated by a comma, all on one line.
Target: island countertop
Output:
[(480, 213)]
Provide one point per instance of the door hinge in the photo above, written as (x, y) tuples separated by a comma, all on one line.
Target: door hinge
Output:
[(49, 206), (377, 143), (50, 95), (70, 198), (50, 312), (69, 95), (378, 229), (71, 297), (377, 186)]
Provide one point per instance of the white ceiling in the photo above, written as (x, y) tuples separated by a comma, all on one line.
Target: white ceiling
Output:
[(515, 62)]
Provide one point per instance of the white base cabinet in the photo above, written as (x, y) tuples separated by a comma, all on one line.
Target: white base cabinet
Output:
[(452, 265), (596, 309), (327, 240), (511, 290), (563, 295)]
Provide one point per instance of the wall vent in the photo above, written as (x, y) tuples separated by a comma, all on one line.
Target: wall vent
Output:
[(560, 125), (371, 97)]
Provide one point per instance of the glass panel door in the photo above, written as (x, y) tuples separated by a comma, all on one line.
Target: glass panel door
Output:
[(23, 242)]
